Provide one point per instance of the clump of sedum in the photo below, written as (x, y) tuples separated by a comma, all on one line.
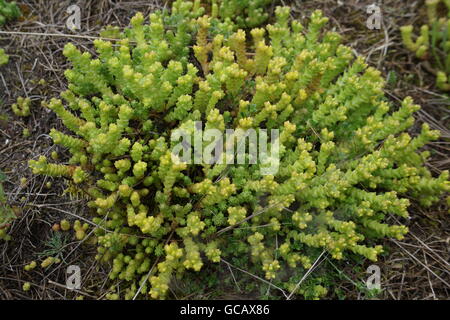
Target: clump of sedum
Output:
[(346, 162), (8, 11), (433, 43)]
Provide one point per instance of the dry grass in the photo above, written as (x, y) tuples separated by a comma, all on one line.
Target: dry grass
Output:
[(416, 268)]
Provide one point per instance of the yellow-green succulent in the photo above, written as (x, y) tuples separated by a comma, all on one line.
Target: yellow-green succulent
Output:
[(433, 43)]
